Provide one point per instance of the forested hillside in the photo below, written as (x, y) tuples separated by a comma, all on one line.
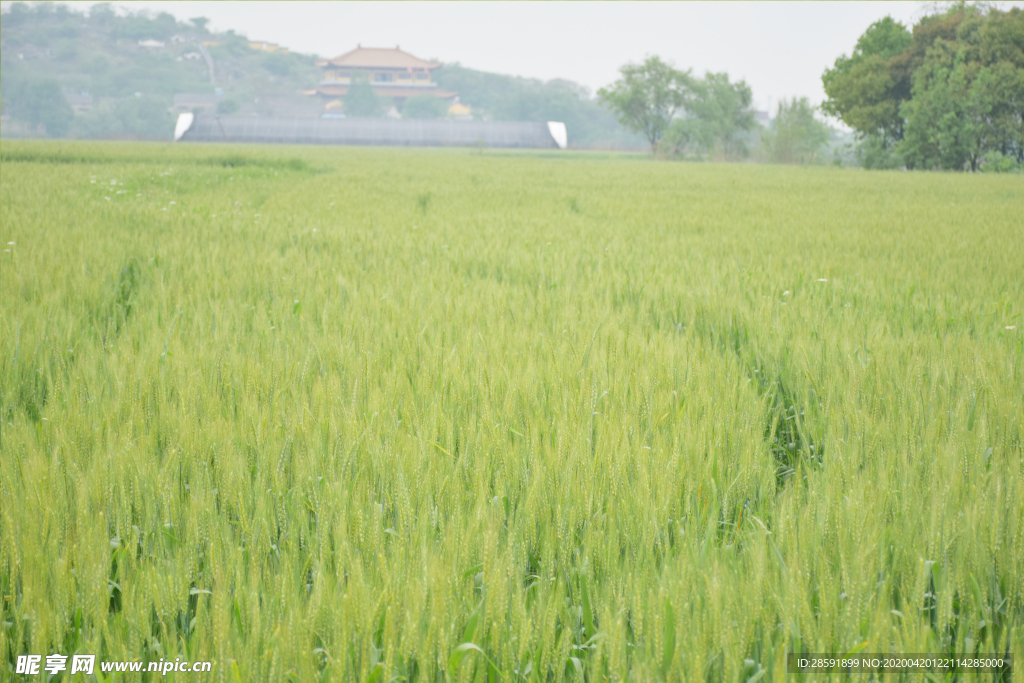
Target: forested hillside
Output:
[(123, 70), (112, 74)]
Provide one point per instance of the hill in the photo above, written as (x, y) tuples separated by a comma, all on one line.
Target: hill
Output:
[(115, 74), (105, 74)]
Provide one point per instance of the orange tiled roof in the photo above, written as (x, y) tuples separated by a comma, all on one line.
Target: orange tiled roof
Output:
[(380, 57)]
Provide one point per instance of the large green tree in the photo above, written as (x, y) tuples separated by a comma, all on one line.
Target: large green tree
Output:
[(718, 114), (946, 116), (865, 90), (648, 96), (947, 96), (968, 95)]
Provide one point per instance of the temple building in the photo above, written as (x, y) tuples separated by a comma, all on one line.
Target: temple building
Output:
[(391, 73)]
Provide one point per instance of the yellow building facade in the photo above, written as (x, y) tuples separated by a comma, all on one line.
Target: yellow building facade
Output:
[(391, 72)]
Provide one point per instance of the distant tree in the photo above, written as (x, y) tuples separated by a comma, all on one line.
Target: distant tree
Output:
[(42, 103), (141, 26), (44, 9), (648, 96), (796, 136), (165, 24), (718, 114), (18, 14), (143, 117), (102, 14), (278, 64), (424, 107), (232, 45), (361, 101), (200, 23)]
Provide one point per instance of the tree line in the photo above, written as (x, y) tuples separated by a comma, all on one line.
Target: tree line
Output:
[(685, 116), (948, 94)]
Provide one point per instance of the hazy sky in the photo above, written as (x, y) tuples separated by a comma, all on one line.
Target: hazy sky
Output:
[(779, 48)]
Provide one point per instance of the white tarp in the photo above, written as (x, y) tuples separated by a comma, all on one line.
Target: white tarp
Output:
[(559, 133), (183, 124)]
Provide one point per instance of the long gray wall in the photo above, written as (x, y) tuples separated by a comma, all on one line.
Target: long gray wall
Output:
[(401, 132)]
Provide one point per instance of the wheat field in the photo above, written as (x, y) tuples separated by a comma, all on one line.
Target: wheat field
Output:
[(341, 414)]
